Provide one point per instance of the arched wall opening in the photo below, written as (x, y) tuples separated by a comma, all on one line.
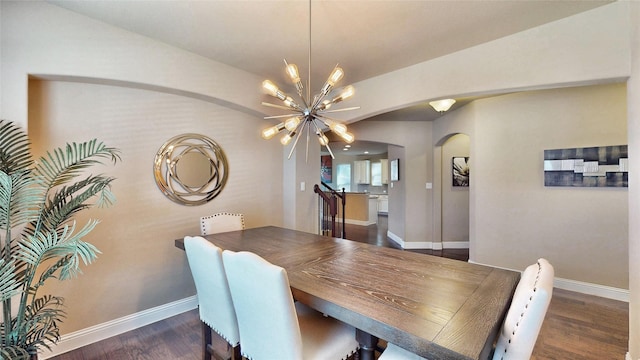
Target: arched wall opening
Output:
[(451, 192)]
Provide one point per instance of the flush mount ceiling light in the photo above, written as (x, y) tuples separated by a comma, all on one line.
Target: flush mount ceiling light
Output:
[(442, 105), (310, 112)]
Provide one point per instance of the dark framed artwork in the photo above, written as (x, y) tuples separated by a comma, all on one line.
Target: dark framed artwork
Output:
[(460, 171), (602, 166), (394, 168), (326, 175)]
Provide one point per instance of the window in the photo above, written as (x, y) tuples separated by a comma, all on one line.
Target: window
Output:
[(343, 177), (376, 174)]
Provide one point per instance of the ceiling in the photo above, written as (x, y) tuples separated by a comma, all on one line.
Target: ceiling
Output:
[(367, 38)]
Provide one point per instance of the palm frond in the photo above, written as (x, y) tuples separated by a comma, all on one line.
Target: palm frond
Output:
[(62, 165), (15, 154), (68, 246), (40, 326), (9, 284), (67, 201), (19, 199), (13, 353)]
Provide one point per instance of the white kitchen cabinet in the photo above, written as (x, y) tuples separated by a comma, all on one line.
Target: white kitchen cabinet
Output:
[(361, 171), (385, 170), (383, 204)]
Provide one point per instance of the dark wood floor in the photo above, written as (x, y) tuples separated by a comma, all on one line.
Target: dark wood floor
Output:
[(576, 327)]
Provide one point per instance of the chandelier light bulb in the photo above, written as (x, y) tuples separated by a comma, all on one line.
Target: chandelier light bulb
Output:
[(290, 103), (346, 93), (325, 105), (286, 139), (338, 128), (323, 139), (292, 71), (292, 123), (335, 76), (333, 79), (270, 132), (270, 87), (273, 90), (347, 137)]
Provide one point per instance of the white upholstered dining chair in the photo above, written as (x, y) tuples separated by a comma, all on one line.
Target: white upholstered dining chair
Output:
[(214, 298), (271, 325), (522, 324), (221, 222), (526, 313)]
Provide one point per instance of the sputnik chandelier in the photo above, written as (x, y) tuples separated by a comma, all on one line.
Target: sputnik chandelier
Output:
[(309, 114)]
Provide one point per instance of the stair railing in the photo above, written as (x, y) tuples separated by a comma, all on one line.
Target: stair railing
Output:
[(328, 209)]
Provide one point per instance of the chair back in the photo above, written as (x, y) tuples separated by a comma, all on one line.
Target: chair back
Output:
[(526, 313), (267, 318), (214, 298), (221, 222)]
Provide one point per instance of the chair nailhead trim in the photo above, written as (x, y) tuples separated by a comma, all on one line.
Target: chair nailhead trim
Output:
[(526, 306), (219, 214)]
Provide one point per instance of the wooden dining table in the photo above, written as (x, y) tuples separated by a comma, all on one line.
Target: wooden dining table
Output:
[(435, 307)]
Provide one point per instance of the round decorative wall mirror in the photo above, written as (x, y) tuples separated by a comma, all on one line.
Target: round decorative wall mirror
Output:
[(191, 169)]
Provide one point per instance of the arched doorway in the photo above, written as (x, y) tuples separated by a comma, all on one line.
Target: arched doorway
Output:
[(451, 192)]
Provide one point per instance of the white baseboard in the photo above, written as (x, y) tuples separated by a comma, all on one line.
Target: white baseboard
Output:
[(427, 245), (115, 327), (397, 239), (607, 292), (592, 289), (358, 222), (565, 284), (455, 244)]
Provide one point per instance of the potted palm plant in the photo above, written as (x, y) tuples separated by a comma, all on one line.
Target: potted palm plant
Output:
[(39, 239)]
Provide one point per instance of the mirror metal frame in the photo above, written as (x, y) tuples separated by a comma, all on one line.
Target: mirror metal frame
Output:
[(166, 173)]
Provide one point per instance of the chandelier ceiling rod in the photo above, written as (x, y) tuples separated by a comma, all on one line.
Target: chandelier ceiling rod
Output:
[(309, 63)]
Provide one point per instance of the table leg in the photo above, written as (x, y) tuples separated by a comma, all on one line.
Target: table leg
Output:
[(368, 344)]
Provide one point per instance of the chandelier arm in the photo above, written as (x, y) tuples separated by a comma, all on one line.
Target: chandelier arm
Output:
[(317, 100), (321, 117), (304, 102), (276, 106), (280, 116), (306, 157), (338, 110), (294, 106), (330, 152), (296, 141), (319, 132)]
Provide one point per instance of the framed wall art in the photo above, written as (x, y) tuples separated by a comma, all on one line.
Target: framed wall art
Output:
[(602, 166), (460, 171), (326, 169), (395, 170)]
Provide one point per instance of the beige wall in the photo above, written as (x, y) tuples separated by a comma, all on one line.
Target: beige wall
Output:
[(633, 94), (582, 231), (139, 263)]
